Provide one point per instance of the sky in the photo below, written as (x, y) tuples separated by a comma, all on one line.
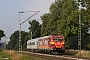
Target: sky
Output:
[(9, 13)]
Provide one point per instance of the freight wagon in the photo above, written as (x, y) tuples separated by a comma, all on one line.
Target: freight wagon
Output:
[(47, 44)]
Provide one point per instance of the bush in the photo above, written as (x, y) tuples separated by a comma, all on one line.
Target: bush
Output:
[(0, 49), (4, 55), (88, 46), (71, 52)]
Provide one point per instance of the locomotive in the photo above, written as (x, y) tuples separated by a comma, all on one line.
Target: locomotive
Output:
[(47, 44)]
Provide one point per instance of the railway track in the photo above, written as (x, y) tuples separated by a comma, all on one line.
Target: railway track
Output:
[(58, 57)]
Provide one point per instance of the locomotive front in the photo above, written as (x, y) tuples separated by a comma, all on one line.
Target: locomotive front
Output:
[(57, 44)]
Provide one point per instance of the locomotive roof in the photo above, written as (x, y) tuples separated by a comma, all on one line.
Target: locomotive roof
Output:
[(36, 39), (33, 40), (44, 37)]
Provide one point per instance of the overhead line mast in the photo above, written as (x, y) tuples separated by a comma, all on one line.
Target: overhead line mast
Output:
[(79, 31), (20, 45)]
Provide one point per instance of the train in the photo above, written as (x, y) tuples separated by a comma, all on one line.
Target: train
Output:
[(47, 44)]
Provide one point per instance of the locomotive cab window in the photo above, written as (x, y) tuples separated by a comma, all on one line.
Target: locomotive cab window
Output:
[(57, 39)]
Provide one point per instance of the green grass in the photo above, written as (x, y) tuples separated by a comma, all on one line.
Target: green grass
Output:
[(71, 52), (84, 53), (4, 55), (77, 53), (28, 57), (16, 56)]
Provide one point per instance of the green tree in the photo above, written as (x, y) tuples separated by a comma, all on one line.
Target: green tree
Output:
[(1, 34), (35, 28), (85, 18), (24, 41), (14, 40), (63, 19), (45, 30)]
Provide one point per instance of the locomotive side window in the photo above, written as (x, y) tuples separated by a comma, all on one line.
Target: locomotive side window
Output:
[(32, 43), (40, 42), (46, 41)]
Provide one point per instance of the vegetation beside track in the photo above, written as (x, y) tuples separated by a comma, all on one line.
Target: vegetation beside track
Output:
[(77, 53), (13, 55), (4, 55)]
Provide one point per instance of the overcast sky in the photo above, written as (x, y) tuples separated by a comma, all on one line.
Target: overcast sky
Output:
[(9, 13)]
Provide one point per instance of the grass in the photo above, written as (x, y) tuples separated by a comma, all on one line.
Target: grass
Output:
[(71, 52), (4, 55), (26, 57), (77, 53), (13, 55), (84, 53)]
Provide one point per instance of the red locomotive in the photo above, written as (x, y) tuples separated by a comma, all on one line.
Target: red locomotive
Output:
[(47, 44)]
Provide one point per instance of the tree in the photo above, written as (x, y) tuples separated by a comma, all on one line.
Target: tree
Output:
[(1, 34), (63, 19), (45, 23), (35, 28), (24, 40), (85, 14), (14, 40)]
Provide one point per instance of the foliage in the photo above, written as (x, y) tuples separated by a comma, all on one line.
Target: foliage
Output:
[(14, 40), (85, 13), (1, 34), (35, 28), (88, 46), (71, 52), (4, 55), (0, 49), (63, 19)]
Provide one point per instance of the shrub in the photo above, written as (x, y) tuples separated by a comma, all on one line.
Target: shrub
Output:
[(0, 49)]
